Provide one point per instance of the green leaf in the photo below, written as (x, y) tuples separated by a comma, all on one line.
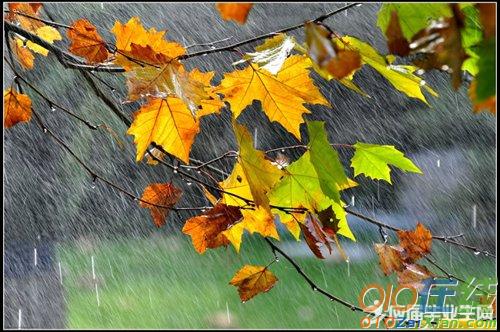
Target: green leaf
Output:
[(413, 16), (300, 187), (486, 83), (373, 161), (472, 35), (326, 161), (400, 76)]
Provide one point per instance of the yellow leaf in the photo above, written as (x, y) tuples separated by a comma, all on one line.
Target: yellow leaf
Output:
[(47, 33), (236, 183), (234, 234), (167, 122), (260, 221), (282, 96), (252, 280), (259, 172), (17, 108)]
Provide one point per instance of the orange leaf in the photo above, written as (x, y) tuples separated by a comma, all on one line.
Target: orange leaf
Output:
[(164, 196), (414, 275), (252, 280), (416, 243), (234, 11), (133, 32), (25, 8), (17, 108), (23, 54), (396, 41), (391, 258), (86, 42), (206, 229)]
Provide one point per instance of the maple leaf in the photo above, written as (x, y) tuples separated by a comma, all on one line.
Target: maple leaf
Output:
[(48, 34), (254, 221), (326, 162), (316, 238), (22, 54), (415, 276), (400, 76), (236, 183), (17, 108), (339, 61), (396, 42), (86, 42), (416, 243), (271, 54), (206, 229), (252, 280), (163, 196), (133, 32), (373, 161), (25, 22), (234, 11), (260, 174), (441, 42), (391, 258), (167, 122), (282, 96)]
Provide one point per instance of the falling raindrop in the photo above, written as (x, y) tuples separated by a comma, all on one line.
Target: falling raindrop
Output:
[(19, 318), (348, 267), (474, 215), (93, 267), (97, 295), (438, 163), (35, 256), (60, 273)]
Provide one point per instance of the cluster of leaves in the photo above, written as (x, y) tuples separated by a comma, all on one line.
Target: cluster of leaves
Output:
[(449, 37), (401, 258), (304, 195)]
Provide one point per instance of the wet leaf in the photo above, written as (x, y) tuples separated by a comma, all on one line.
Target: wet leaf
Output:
[(234, 11), (337, 60), (31, 9), (167, 122), (373, 161), (282, 96), (416, 243), (396, 42), (16, 108), (22, 54), (164, 194), (206, 230), (86, 42), (415, 276), (391, 258)]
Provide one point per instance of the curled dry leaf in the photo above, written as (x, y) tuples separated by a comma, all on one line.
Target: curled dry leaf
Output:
[(164, 196), (252, 280), (336, 59), (17, 108), (391, 258), (414, 276), (441, 44), (206, 229), (234, 11), (396, 41), (416, 243), (86, 42)]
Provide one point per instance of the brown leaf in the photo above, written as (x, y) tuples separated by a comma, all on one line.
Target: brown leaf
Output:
[(441, 44), (416, 243), (414, 275), (252, 280), (17, 108), (488, 17), (315, 236), (396, 41), (86, 42), (339, 61), (163, 196), (234, 11), (206, 229), (30, 9), (391, 258)]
